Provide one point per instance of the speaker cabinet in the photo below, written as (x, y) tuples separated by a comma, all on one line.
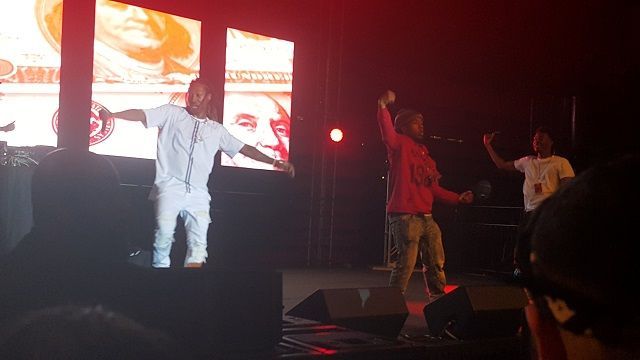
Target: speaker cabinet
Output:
[(473, 312), (377, 310)]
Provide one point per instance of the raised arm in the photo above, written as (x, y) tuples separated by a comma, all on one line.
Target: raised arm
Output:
[(500, 162), (130, 115), (255, 154), (389, 135)]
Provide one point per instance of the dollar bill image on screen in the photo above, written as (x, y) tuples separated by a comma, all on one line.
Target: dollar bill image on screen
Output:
[(257, 95), (29, 73), (143, 58)]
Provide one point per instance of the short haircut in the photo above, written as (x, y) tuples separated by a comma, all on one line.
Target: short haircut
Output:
[(203, 81), (83, 332), (404, 117), (545, 130)]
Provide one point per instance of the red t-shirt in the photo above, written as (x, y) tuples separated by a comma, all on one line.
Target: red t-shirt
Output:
[(413, 176)]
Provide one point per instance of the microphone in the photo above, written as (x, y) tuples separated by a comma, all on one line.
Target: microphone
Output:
[(442, 138), (482, 190)]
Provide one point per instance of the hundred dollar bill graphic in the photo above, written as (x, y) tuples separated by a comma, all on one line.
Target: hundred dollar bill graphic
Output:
[(152, 58), (142, 59), (257, 100), (29, 75)]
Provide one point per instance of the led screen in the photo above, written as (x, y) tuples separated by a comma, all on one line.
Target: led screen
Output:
[(257, 96), (142, 58), (29, 72)]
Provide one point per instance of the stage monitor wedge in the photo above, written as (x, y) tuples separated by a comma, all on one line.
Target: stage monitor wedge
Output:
[(376, 310), (473, 312)]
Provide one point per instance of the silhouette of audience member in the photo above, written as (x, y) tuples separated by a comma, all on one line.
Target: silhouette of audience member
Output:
[(582, 266), (77, 213), (74, 332), (77, 240)]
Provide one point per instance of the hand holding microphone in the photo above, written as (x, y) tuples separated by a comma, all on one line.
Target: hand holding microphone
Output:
[(466, 197), (285, 166)]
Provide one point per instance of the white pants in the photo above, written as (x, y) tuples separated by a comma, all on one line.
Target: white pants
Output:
[(193, 208)]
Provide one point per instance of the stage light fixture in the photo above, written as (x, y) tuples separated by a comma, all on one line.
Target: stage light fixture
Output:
[(336, 135)]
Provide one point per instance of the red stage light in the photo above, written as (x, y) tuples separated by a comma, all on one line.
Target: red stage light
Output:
[(336, 135)]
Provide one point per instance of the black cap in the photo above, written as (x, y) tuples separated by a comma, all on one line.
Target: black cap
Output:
[(403, 117)]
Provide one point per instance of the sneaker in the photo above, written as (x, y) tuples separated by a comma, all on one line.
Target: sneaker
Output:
[(517, 274)]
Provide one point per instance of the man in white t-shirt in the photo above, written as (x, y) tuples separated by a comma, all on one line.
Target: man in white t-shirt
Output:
[(544, 172), (188, 140)]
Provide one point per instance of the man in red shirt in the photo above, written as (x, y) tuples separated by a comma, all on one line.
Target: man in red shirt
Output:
[(413, 189)]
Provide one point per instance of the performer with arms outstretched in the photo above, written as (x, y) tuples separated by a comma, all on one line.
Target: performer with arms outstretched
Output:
[(188, 140)]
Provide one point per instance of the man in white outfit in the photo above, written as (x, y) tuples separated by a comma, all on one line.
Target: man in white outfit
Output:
[(188, 140), (544, 172)]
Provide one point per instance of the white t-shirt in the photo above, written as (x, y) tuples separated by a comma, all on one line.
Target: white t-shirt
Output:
[(186, 149), (541, 177)]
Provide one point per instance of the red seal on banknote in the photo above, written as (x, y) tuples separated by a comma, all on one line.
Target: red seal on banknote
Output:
[(99, 130), (7, 68)]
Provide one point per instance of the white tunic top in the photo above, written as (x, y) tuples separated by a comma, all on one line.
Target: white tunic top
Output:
[(186, 150), (546, 172)]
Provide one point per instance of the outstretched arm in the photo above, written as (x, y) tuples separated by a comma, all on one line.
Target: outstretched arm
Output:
[(130, 115), (450, 197), (255, 154), (500, 162), (9, 127)]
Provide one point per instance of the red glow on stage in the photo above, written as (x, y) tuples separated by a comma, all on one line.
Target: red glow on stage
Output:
[(336, 135), (326, 351), (416, 307), (450, 288)]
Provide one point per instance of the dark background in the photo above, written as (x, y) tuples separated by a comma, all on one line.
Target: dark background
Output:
[(469, 66)]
